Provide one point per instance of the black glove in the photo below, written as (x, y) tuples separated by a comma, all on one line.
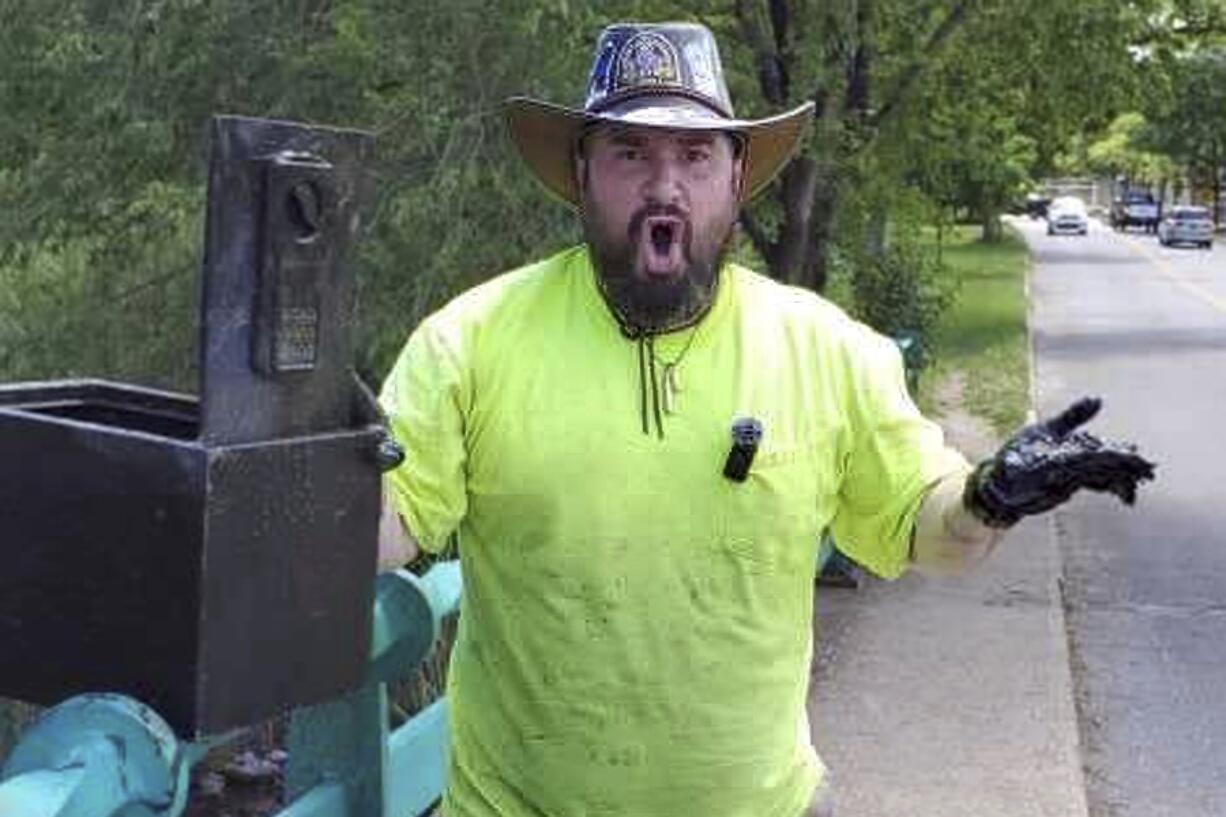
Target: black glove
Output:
[(388, 453), (1044, 464)]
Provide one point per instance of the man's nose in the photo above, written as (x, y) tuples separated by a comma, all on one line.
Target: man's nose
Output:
[(664, 183)]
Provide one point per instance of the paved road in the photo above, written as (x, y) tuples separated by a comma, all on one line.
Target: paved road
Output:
[(1144, 589)]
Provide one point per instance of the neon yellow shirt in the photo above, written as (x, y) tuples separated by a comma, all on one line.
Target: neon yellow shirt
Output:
[(635, 634)]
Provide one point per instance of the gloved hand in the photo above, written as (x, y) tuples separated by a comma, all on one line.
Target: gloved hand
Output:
[(388, 453), (1044, 464)]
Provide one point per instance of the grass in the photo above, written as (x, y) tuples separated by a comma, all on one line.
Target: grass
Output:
[(983, 335)]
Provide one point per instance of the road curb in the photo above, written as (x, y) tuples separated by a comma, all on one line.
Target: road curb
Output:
[(1065, 650), (1057, 610)]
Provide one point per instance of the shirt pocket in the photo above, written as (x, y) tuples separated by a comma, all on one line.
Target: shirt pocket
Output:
[(770, 522)]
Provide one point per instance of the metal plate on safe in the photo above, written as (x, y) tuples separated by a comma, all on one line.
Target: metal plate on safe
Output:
[(285, 205)]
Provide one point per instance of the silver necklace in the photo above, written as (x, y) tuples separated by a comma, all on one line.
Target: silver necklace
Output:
[(670, 379)]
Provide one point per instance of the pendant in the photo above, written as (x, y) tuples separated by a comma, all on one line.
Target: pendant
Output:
[(671, 387)]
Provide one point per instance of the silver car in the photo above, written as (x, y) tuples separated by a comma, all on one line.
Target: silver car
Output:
[(1186, 225), (1067, 215)]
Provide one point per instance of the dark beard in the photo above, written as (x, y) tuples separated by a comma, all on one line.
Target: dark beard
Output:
[(649, 306)]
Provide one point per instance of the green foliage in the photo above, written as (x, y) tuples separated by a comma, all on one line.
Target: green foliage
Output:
[(1122, 152), (104, 156), (1189, 124), (905, 289), (1009, 101), (102, 150), (884, 270), (976, 157), (902, 291), (61, 300)]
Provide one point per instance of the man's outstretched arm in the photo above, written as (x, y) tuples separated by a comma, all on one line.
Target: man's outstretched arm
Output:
[(1039, 468)]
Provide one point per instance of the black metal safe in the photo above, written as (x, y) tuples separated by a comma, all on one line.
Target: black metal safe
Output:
[(212, 556)]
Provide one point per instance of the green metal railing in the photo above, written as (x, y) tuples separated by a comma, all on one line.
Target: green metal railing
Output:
[(102, 755)]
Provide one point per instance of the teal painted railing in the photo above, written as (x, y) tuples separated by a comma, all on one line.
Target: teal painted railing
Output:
[(110, 756)]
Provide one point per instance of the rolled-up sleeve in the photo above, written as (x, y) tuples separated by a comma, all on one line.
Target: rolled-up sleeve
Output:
[(425, 398), (896, 456)]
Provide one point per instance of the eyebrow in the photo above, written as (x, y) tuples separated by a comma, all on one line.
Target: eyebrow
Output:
[(700, 138), (628, 137)]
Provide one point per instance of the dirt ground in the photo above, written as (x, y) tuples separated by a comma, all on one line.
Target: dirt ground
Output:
[(243, 779), (964, 431)]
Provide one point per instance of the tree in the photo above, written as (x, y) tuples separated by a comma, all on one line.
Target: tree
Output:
[(103, 156), (838, 54), (1122, 152), (102, 150), (1190, 124), (876, 69)]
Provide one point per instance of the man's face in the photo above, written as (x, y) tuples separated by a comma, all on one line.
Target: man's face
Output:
[(658, 209)]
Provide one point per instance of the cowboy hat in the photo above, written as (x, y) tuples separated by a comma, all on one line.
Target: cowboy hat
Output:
[(665, 75)]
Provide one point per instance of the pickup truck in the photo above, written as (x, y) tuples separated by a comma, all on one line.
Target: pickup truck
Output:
[(1135, 209)]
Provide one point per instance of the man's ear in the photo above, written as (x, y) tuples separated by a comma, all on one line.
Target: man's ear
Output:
[(739, 167), (580, 171), (738, 176)]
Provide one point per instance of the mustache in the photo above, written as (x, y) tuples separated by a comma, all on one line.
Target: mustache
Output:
[(644, 213)]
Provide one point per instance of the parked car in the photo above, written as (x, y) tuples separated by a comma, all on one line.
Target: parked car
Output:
[(1186, 225), (1036, 205), (1136, 209), (1066, 215)]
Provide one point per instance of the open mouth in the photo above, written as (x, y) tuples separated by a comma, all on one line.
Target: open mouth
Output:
[(662, 237)]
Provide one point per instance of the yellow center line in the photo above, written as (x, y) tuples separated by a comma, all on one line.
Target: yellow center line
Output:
[(1164, 267)]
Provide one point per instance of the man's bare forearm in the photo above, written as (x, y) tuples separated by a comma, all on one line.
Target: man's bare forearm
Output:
[(397, 547), (948, 538)]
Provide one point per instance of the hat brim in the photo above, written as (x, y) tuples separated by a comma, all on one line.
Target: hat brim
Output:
[(546, 136)]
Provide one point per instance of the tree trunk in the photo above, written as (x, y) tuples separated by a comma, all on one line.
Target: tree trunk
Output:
[(821, 240), (993, 231), (878, 226), (1217, 189), (846, 119), (823, 223), (797, 197)]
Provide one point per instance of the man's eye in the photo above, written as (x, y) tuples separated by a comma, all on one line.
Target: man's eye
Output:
[(630, 154), (697, 155)]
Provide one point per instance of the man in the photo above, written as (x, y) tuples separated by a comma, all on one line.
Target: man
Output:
[(639, 444)]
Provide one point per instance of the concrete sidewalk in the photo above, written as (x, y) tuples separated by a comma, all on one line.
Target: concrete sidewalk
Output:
[(936, 697)]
